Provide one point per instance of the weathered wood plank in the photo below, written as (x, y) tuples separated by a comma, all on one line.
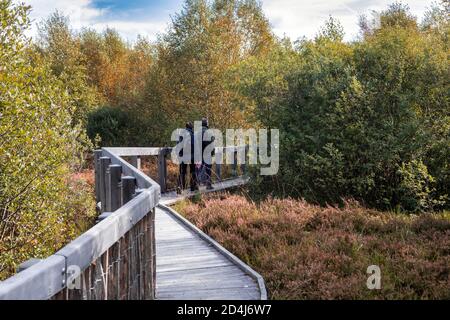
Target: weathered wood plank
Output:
[(97, 156), (212, 294), (225, 272), (170, 198), (136, 162), (162, 169), (185, 251), (114, 181), (164, 245), (188, 267), (104, 164), (129, 152), (205, 279)]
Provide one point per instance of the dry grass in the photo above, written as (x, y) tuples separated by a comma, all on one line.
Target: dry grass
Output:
[(308, 252)]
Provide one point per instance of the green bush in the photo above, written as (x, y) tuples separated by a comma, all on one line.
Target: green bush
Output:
[(117, 127), (416, 187), (112, 125), (366, 120), (39, 147)]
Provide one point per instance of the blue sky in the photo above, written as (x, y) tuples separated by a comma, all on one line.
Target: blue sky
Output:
[(294, 18), (137, 9)]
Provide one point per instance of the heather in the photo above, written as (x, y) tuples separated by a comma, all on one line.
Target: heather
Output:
[(304, 251)]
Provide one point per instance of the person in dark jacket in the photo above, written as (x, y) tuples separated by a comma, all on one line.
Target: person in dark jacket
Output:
[(183, 165), (207, 166)]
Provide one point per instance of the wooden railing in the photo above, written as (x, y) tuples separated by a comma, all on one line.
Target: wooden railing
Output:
[(115, 259), (217, 168)]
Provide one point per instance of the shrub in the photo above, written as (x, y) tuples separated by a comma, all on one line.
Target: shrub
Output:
[(111, 124), (38, 141), (367, 120), (122, 127), (416, 187)]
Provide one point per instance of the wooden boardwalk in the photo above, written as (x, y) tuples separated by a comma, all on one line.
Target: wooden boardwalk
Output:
[(135, 231), (169, 198), (192, 266)]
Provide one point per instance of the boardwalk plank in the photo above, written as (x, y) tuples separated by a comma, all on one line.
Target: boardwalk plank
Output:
[(170, 198), (188, 267), (181, 283), (186, 275), (212, 294)]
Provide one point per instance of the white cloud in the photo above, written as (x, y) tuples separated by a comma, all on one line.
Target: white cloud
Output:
[(294, 18), (297, 18), (83, 13), (130, 30)]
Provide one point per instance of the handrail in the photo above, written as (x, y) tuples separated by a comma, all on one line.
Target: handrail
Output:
[(48, 277), (154, 151)]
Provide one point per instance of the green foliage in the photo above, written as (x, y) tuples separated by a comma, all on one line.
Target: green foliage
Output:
[(368, 120), (333, 30), (62, 51), (39, 145), (188, 79), (111, 125), (115, 127), (260, 81), (416, 187)]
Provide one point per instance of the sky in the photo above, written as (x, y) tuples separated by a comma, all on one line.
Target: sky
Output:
[(292, 18)]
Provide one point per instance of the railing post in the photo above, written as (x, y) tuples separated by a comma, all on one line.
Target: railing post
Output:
[(115, 188), (244, 165), (128, 188), (136, 162), (104, 164), (162, 169), (234, 166), (219, 155), (153, 254), (97, 156)]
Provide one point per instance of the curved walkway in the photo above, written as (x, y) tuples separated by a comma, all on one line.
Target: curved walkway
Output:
[(192, 266)]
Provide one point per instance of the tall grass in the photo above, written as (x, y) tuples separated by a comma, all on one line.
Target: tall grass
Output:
[(305, 251)]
